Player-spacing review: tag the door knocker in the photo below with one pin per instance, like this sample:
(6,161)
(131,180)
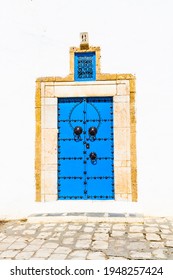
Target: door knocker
(77,133)
(93,157)
(92,133)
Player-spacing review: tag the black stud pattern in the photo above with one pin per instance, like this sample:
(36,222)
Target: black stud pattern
(102,120)
(70,158)
(60,121)
(99,177)
(70,177)
(66,139)
(101,139)
(102,158)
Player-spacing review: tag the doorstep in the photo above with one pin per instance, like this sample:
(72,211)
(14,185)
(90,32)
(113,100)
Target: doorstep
(85,217)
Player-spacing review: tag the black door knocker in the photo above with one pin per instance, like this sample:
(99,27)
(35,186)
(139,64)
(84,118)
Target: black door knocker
(92,133)
(93,157)
(77,133)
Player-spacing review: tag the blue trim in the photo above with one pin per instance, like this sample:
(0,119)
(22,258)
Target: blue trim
(85,66)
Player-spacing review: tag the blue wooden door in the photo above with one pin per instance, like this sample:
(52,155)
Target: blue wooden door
(85,148)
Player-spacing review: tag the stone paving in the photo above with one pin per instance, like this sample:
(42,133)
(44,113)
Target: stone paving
(144,238)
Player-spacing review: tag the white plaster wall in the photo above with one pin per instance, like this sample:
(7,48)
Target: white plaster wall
(135,37)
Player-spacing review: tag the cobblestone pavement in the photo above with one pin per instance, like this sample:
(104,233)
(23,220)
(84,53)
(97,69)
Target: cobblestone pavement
(118,238)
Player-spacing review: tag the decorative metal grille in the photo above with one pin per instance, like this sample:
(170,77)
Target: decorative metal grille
(85,66)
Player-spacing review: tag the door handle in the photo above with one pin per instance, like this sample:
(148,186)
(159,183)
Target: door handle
(78,130)
(92,133)
(93,157)
(77,133)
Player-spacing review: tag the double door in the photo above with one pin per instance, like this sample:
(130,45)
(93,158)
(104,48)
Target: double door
(85,148)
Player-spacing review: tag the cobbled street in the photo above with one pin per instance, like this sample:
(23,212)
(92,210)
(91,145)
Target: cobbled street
(118,238)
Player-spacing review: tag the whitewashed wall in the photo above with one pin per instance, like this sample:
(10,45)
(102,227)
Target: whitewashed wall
(135,37)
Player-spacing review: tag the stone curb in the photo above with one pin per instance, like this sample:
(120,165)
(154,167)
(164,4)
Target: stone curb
(83,219)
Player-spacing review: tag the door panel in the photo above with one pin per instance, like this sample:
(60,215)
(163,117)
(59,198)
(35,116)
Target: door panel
(101,169)
(71,167)
(70,148)
(71,189)
(98,189)
(85,148)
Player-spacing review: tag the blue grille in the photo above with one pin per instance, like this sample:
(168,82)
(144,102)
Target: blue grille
(85,66)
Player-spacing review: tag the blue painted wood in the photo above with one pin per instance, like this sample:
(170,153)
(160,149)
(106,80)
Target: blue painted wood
(85,66)
(79,177)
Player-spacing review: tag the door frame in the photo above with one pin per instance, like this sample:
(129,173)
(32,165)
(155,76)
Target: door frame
(47,92)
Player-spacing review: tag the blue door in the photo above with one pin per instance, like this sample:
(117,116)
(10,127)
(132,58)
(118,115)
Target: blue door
(85,148)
